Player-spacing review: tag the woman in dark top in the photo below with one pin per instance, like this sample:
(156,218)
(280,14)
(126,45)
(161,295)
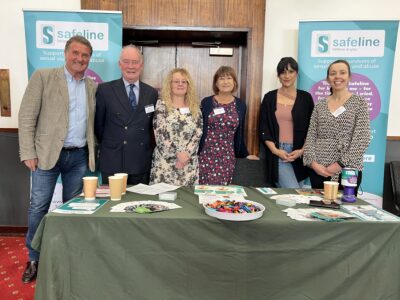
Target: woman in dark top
(284,119)
(223,129)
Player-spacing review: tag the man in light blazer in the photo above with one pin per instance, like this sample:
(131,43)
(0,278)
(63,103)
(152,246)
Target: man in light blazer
(56,134)
(124,121)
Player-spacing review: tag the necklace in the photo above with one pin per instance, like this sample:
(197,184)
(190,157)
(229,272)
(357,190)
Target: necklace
(288,95)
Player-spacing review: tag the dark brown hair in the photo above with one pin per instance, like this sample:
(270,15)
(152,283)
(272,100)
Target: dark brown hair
(79,39)
(337,62)
(223,71)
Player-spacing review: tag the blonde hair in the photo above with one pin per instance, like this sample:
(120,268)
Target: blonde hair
(190,97)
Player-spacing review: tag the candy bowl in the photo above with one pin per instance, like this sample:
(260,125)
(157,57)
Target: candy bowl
(232,210)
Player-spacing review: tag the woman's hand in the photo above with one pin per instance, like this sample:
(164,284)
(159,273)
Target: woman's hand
(179,165)
(282,154)
(182,159)
(321,170)
(334,168)
(252,157)
(295,154)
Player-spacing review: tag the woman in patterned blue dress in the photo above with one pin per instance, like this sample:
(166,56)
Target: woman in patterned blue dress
(223,129)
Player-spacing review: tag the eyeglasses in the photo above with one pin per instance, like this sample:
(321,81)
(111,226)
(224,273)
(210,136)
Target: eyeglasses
(128,62)
(179,82)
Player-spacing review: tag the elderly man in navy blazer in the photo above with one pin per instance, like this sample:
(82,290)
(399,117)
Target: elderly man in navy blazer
(123,121)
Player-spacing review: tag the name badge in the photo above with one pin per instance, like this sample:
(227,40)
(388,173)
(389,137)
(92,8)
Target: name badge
(219,110)
(184,110)
(149,108)
(339,111)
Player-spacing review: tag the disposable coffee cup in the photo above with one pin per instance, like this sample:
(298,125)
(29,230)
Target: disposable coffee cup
(124,181)
(331,190)
(115,183)
(90,187)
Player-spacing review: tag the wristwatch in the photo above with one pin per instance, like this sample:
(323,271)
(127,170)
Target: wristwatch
(340,164)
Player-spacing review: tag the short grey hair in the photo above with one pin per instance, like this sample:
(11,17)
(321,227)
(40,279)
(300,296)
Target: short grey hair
(132,47)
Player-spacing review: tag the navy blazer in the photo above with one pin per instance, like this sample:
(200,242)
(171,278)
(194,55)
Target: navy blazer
(124,136)
(239,145)
(269,131)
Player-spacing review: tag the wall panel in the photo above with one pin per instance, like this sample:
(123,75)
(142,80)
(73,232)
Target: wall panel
(248,14)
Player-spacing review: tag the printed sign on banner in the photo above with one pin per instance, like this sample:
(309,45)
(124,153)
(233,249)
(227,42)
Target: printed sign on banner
(369,47)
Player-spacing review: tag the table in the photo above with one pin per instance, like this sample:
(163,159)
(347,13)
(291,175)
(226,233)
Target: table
(185,254)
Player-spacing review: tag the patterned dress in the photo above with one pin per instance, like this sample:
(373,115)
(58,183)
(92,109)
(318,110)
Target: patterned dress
(343,138)
(217,159)
(175,132)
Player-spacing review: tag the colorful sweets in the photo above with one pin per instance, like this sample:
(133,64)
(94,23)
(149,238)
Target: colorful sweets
(235,207)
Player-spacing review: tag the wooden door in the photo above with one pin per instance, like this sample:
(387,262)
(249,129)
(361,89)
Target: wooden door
(201,66)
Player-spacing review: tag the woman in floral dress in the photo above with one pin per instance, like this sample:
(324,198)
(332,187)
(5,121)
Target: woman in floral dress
(177,128)
(223,130)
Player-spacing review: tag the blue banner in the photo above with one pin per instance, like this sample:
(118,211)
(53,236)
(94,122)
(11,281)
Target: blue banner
(369,47)
(46,33)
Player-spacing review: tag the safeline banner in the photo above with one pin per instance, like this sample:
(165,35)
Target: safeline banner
(46,33)
(369,47)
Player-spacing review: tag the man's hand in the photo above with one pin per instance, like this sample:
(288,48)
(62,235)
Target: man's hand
(31,164)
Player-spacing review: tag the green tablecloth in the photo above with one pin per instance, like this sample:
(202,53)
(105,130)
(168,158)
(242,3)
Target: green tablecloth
(185,254)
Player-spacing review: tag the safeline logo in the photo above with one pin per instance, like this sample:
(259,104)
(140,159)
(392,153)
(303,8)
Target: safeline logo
(54,34)
(348,43)
(47,35)
(323,43)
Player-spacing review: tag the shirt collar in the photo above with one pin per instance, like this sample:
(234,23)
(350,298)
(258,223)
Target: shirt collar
(127,84)
(69,76)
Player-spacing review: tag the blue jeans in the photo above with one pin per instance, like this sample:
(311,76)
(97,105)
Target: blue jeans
(286,175)
(72,166)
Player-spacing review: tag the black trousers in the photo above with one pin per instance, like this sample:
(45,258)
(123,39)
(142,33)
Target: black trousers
(317,181)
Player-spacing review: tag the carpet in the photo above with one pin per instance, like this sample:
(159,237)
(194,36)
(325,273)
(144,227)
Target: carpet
(13,258)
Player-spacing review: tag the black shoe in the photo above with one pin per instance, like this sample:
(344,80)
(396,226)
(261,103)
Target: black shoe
(30,271)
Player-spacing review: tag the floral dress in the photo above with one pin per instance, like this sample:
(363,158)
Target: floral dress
(217,159)
(175,132)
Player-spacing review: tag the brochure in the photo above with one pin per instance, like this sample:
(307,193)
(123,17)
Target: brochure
(309,192)
(219,190)
(154,189)
(266,191)
(370,213)
(80,206)
(316,214)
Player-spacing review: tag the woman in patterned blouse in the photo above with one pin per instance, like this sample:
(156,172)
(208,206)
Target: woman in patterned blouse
(339,131)
(223,130)
(177,128)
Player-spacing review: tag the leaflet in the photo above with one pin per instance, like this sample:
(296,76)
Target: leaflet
(80,206)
